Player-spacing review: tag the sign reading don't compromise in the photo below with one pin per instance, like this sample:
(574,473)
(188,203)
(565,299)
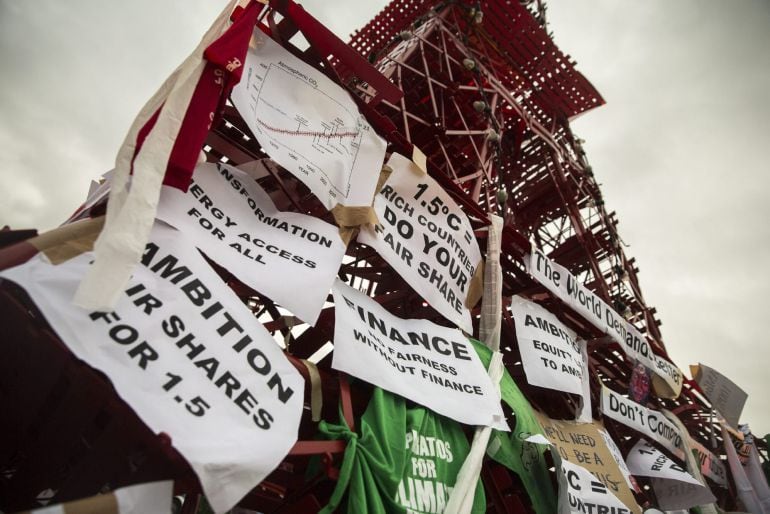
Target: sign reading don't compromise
(432,365)
(234,222)
(425,236)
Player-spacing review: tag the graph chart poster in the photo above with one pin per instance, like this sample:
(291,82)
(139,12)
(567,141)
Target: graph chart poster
(309,125)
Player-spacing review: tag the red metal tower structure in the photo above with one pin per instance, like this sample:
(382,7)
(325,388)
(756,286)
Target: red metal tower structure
(488,97)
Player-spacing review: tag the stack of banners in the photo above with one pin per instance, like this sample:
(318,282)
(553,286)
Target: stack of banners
(649,422)
(405,460)
(674,487)
(745,489)
(234,222)
(513,450)
(580,492)
(710,465)
(309,125)
(185,353)
(566,287)
(550,352)
(427,238)
(724,395)
(429,364)
(583,445)
(757,478)
(150,498)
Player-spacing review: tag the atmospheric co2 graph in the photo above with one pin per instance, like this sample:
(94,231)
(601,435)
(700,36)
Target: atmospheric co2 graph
(309,125)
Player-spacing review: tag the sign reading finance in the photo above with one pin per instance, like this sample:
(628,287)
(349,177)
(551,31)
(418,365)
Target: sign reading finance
(233,221)
(309,125)
(550,352)
(432,365)
(185,353)
(427,238)
(646,421)
(724,395)
(583,445)
(566,287)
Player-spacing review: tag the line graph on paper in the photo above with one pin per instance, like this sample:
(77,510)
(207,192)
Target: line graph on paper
(309,125)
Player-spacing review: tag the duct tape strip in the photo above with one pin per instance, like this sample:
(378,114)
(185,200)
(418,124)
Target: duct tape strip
(350,218)
(316,390)
(131,211)
(64,243)
(475,286)
(419,159)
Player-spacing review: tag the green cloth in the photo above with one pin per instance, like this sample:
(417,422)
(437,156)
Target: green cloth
(512,451)
(405,460)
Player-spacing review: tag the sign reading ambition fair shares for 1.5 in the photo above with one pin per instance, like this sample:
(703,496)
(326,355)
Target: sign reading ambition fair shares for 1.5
(432,365)
(425,236)
(566,287)
(185,353)
(309,125)
(234,222)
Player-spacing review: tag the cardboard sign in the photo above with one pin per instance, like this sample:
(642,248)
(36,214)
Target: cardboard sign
(427,238)
(308,124)
(649,422)
(710,465)
(585,493)
(432,365)
(149,498)
(185,353)
(565,286)
(724,395)
(233,221)
(583,445)
(550,352)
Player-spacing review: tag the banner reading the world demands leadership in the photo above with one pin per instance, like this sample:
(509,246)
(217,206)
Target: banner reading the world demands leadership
(432,365)
(427,238)
(185,353)
(234,222)
(565,286)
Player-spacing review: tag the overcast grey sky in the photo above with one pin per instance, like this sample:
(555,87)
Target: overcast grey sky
(678,147)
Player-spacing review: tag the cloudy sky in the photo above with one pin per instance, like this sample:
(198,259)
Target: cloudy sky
(678,147)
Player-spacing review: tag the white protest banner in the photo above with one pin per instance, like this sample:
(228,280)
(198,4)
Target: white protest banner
(583,444)
(233,221)
(586,494)
(710,465)
(724,395)
(566,287)
(432,365)
(185,353)
(308,124)
(674,487)
(647,421)
(149,498)
(618,456)
(550,352)
(427,238)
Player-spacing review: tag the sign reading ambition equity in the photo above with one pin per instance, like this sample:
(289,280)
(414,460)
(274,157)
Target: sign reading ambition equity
(565,286)
(550,352)
(427,238)
(185,353)
(233,221)
(432,365)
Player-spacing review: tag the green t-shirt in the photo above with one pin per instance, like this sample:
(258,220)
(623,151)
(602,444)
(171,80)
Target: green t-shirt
(405,459)
(512,451)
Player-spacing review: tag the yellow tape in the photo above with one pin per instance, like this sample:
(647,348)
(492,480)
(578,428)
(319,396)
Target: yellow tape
(350,218)
(476,286)
(63,243)
(419,159)
(101,504)
(316,391)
